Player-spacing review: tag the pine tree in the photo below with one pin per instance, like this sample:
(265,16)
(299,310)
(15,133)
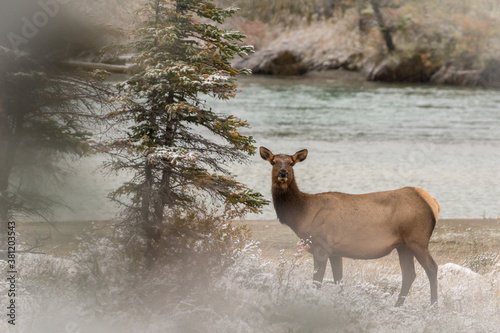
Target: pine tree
(177,148)
(46,109)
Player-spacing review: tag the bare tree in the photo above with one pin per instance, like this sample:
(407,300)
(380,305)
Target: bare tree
(386,33)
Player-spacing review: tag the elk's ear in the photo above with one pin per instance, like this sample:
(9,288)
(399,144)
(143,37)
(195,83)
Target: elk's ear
(266,154)
(299,156)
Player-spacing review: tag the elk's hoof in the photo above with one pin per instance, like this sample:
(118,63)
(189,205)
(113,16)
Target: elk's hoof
(400,302)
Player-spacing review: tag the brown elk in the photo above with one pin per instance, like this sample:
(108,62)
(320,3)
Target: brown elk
(363,226)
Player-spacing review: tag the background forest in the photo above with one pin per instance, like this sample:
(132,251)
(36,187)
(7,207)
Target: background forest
(444,42)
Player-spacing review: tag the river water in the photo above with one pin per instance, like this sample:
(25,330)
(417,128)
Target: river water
(361,137)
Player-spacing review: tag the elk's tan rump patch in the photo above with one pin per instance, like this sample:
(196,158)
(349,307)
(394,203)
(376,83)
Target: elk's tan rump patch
(433,203)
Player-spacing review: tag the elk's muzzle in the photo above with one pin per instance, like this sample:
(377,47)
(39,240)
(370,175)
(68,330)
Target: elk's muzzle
(282,175)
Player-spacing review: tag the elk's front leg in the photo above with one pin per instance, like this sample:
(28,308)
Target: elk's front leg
(337,270)
(319,270)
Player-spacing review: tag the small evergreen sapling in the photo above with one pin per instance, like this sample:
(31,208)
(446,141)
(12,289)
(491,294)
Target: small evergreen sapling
(177,148)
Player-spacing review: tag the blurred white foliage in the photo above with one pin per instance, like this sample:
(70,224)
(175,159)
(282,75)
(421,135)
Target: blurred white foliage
(94,290)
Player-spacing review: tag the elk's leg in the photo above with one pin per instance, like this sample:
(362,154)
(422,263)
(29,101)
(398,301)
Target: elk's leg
(431,268)
(319,271)
(408,272)
(337,271)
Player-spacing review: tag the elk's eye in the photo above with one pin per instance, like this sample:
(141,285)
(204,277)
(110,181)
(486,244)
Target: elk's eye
(273,163)
(292,164)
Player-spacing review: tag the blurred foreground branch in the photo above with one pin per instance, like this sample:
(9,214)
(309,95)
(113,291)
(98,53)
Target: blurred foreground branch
(47,108)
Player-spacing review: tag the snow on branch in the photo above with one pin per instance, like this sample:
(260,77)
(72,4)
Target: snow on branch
(175,156)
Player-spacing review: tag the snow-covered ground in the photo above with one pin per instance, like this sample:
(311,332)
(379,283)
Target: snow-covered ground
(93,291)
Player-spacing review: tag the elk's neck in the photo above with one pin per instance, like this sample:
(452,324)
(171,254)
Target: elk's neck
(289,204)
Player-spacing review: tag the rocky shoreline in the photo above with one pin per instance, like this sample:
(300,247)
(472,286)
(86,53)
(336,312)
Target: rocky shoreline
(400,68)
(286,59)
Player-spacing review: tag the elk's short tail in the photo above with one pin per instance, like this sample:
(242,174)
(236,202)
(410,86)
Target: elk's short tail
(433,203)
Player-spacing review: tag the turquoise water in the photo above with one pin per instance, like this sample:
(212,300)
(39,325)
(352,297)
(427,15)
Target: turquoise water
(361,137)
(365,137)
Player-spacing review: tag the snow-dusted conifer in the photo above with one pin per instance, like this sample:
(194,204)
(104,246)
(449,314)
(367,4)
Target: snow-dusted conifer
(184,56)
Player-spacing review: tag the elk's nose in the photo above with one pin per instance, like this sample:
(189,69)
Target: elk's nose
(283,173)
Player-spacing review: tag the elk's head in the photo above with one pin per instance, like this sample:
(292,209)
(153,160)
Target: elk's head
(282,173)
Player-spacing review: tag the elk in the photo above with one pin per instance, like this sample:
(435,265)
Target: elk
(357,226)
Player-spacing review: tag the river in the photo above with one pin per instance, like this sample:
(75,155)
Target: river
(361,136)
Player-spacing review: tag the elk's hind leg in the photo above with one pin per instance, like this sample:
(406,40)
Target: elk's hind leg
(337,269)
(431,268)
(408,272)
(319,270)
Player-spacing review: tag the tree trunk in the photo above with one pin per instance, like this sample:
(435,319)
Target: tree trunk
(164,194)
(383,28)
(359,7)
(163,199)
(8,146)
(149,225)
(4,175)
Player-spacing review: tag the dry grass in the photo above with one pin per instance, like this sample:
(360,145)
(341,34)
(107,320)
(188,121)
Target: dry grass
(59,238)
(454,240)
(458,241)
(270,292)
(471,243)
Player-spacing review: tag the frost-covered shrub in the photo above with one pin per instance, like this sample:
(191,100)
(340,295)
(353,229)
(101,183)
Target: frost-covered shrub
(103,287)
(95,291)
(200,247)
(248,270)
(104,273)
(482,262)
(287,267)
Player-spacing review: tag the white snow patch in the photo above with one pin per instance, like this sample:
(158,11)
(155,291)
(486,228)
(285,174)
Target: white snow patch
(457,270)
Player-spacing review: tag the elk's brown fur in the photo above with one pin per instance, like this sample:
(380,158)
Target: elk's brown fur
(364,226)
